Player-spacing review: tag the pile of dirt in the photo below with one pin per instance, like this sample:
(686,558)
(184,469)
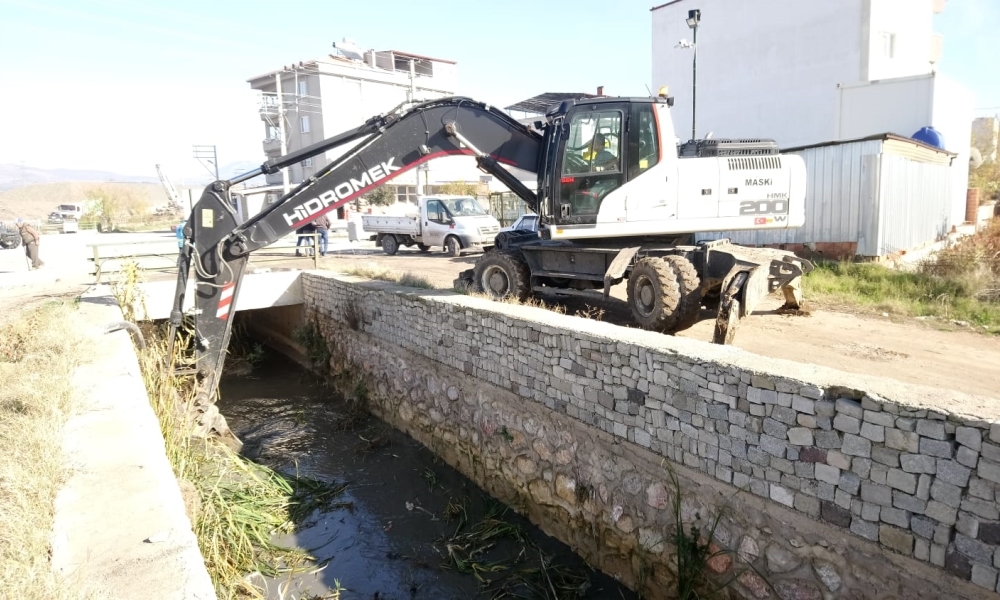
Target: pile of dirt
(36,201)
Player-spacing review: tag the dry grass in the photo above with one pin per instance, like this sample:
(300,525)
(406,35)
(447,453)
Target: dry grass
(39,349)
(374,270)
(529,301)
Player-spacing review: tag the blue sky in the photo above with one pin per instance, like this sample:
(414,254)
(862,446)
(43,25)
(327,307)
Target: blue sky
(121,85)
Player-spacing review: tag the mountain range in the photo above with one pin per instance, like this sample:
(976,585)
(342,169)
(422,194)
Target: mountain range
(14,176)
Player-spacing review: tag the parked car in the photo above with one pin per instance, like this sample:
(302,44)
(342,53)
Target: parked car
(55,218)
(10,237)
(456,223)
(528,222)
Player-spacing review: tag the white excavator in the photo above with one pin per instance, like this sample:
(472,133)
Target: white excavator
(619,201)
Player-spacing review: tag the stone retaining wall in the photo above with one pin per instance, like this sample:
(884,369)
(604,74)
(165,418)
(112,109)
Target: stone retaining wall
(854,486)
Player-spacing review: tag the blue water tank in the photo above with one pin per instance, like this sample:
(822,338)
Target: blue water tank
(929,136)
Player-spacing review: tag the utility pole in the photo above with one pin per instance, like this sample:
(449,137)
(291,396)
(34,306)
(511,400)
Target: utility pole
(693,20)
(281,130)
(208,154)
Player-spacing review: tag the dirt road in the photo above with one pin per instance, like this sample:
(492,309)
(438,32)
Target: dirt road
(907,350)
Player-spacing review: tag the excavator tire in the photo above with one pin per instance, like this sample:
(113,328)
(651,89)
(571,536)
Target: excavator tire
(654,294)
(390,244)
(690,289)
(502,274)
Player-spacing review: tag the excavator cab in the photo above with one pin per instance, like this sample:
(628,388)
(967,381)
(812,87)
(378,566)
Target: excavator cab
(601,145)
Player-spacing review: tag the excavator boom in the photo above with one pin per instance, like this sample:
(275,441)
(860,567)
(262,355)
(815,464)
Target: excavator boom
(217,245)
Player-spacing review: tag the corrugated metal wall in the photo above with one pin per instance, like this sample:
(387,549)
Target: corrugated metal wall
(914,203)
(847,200)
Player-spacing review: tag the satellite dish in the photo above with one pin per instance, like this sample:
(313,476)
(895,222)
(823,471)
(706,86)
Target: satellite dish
(710,134)
(975,158)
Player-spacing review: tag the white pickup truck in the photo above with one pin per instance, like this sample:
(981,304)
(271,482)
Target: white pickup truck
(456,223)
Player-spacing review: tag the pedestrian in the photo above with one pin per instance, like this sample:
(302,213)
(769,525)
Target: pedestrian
(305,238)
(30,238)
(323,229)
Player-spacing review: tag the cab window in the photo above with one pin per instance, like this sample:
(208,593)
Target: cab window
(436,212)
(643,140)
(594,143)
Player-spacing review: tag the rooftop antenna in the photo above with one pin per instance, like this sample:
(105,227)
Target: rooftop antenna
(649,91)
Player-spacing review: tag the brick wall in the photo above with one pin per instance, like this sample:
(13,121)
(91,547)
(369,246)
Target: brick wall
(853,486)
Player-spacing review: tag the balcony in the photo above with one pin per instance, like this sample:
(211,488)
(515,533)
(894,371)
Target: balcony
(268,107)
(272,146)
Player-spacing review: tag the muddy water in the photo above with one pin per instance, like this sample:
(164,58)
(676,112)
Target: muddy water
(387,537)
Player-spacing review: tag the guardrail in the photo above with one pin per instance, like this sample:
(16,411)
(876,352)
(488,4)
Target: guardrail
(163,258)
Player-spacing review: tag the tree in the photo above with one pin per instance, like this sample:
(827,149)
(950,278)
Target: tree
(987,176)
(111,207)
(460,188)
(383,195)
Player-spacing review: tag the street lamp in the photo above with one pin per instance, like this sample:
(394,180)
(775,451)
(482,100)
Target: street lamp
(694,17)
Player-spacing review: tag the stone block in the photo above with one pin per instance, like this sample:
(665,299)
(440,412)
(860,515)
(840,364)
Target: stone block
(896,539)
(921,549)
(879,474)
(825,408)
(879,418)
(800,436)
(908,503)
(974,549)
(989,533)
(780,559)
(885,456)
(895,516)
(836,459)
(952,472)
(989,470)
(849,482)
(827,474)
(931,429)
(782,495)
(937,555)
(901,480)
(827,574)
(773,445)
(876,494)
(986,509)
(957,564)
(870,431)
(807,504)
(967,524)
(937,448)
(981,488)
(942,513)
(835,515)
(828,439)
(856,446)
(984,577)
(775,429)
(861,466)
(906,424)
(994,432)
(806,470)
(969,437)
(924,486)
(918,463)
(803,405)
(967,457)
(851,408)
(846,423)
(865,529)
(902,440)
(870,512)
(813,455)
(946,493)
(923,526)
(815,393)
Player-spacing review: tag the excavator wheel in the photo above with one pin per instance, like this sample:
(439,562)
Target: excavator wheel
(390,244)
(654,294)
(690,289)
(502,274)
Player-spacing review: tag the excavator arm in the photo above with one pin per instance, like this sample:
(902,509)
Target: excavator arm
(217,244)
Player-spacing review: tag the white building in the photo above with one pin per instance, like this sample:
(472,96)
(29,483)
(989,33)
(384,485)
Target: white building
(326,96)
(813,72)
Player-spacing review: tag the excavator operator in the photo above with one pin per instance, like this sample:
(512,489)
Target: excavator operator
(598,155)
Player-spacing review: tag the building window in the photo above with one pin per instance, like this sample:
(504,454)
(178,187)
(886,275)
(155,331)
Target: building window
(406,193)
(304,124)
(307,162)
(888,41)
(273,132)
(420,66)
(303,88)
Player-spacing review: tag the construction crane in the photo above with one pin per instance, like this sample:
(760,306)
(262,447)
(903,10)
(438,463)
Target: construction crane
(172,195)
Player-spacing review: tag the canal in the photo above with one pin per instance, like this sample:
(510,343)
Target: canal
(406,525)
